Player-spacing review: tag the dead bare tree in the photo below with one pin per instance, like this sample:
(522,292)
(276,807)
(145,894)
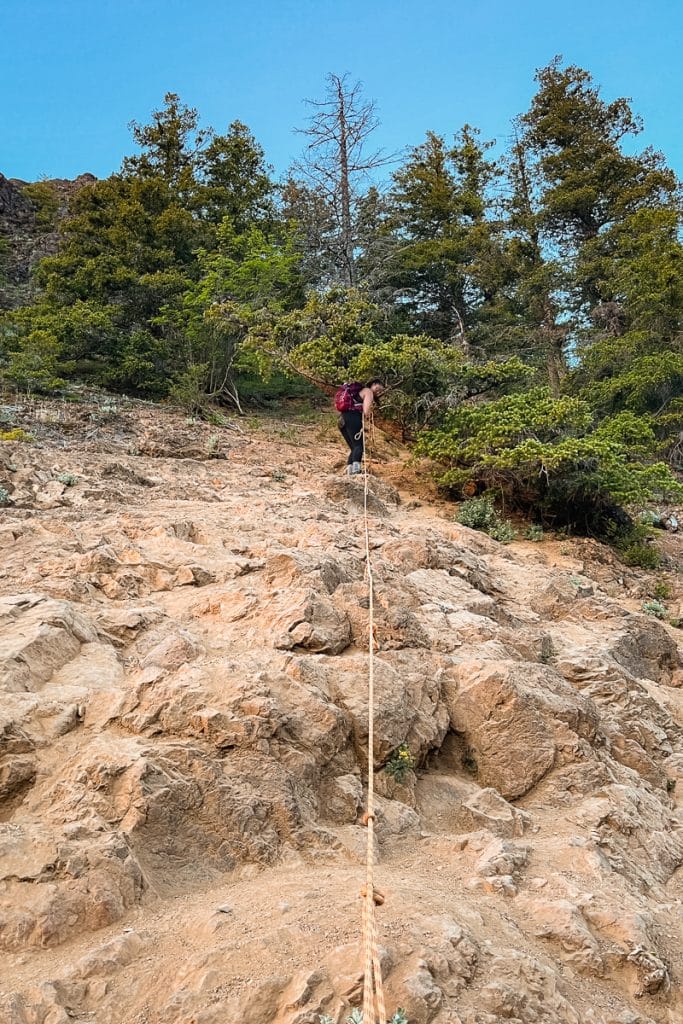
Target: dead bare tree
(335,158)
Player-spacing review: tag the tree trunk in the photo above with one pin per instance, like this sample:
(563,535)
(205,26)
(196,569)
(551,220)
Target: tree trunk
(345,192)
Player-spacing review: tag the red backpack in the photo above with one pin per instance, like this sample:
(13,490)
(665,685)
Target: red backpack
(348,397)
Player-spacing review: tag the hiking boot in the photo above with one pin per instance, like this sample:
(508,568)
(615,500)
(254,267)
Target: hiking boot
(355,468)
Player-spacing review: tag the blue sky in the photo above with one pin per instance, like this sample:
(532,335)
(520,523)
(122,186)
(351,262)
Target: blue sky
(74,73)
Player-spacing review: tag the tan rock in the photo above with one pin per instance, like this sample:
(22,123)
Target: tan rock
(173,651)
(308,620)
(38,636)
(511,715)
(341,799)
(562,922)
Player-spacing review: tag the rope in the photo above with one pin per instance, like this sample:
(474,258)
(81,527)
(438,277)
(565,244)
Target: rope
(373,992)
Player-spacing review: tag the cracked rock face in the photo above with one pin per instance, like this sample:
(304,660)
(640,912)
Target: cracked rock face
(184,738)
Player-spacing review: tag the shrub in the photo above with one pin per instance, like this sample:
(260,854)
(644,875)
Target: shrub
(534,533)
(480,514)
(655,608)
(503,532)
(4,496)
(35,362)
(641,556)
(356,1017)
(550,455)
(68,479)
(16,434)
(635,548)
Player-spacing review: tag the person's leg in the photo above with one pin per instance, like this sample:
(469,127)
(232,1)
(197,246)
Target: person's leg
(355,427)
(348,437)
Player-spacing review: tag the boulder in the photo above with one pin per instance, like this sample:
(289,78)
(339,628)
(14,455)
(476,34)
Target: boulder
(515,716)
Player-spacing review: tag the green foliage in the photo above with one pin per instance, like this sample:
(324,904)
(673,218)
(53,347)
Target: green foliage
(68,479)
(654,608)
(478,514)
(4,496)
(43,195)
(34,362)
(549,454)
(16,434)
(502,531)
(635,547)
(400,763)
(534,533)
(481,514)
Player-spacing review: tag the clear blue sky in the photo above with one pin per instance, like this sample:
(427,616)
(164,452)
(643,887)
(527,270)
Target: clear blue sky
(74,73)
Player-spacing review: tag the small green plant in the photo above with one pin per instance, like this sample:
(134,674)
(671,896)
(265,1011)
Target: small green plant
(480,514)
(4,496)
(217,419)
(670,785)
(641,556)
(635,547)
(503,532)
(288,434)
(655,608)
(534,533)
(661,591)
(278,475)
(16,434)
(68,479)
(676,622)
(212,444)
(400,763)
(105,411)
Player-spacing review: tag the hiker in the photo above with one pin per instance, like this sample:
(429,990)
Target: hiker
(355,401)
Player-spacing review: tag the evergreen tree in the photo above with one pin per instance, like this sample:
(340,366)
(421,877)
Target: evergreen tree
(448,265)
(235,181)
(614,218)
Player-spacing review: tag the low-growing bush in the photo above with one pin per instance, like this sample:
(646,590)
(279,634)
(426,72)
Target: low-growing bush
(550,456)
(68,479)
(655,608)
(478,514)
(481,514)
(16,434)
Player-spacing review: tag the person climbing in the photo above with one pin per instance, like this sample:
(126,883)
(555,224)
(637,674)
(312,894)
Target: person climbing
(355,401)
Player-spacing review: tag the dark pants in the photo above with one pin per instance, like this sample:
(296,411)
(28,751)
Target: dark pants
(351,424)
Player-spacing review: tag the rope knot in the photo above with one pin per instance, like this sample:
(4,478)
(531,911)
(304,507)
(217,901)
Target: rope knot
(378,897)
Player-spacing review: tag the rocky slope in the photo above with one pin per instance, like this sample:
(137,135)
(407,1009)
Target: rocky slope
(183,631)
(24,241)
